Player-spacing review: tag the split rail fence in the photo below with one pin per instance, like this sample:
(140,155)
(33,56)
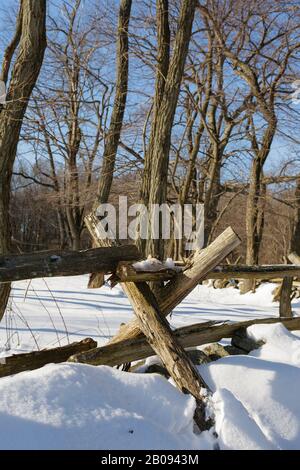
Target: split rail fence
(149,333)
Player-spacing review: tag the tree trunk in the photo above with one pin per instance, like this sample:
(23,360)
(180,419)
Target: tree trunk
(111,142)
(32,44)
(64,263)
(162,67)
(254,217)
(295,241)
(294,257)
(154,186)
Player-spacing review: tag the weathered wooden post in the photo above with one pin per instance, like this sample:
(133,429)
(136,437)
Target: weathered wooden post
(162,340)
(285,306)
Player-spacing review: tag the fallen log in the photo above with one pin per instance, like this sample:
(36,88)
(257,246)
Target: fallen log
(33,360)
(135,349)
(64,263)
(126,273)
(202,262)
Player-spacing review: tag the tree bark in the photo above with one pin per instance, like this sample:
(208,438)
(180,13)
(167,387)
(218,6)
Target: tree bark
(285,307)
(112,139)
(162,67)
(154,186)
(126,273)
(262,272)
(31,38)
(295,241)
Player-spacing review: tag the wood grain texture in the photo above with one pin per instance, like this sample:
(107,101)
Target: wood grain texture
(202,262)
(63,263)
(34,360)
(135,349)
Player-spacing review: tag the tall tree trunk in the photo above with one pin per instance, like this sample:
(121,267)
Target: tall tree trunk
(162,67)
(111,142)
(160,138)
(31,39)
(285,308)
(254,215)
(212,195)
(255,211)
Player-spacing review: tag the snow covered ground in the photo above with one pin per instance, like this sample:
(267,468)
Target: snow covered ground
(75,406)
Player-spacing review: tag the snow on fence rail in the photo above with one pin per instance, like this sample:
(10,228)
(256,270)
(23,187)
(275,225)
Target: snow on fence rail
(117,260)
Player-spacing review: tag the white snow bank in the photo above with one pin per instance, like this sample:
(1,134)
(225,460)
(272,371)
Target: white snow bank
(262,297)
(75,406)
(281,345)
(236,429)
(257,404)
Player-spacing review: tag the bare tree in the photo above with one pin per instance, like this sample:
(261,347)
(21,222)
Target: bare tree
(112,138)
(155,177)
(260,53)
(29,43)
(66,121)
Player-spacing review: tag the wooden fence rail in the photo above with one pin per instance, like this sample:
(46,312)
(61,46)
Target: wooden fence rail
(107,260)
(130,350)
(64,263)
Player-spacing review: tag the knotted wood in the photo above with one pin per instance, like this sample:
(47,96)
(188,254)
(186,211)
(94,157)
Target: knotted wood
(64,263)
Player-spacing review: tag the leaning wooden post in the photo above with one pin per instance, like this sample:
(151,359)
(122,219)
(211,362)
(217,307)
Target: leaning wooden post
(162,340)
(183,283)
(98,236)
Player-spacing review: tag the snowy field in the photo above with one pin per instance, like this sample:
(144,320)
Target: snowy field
(74,406)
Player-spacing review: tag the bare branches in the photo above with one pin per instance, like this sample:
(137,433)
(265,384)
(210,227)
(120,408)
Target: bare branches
(11,48)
